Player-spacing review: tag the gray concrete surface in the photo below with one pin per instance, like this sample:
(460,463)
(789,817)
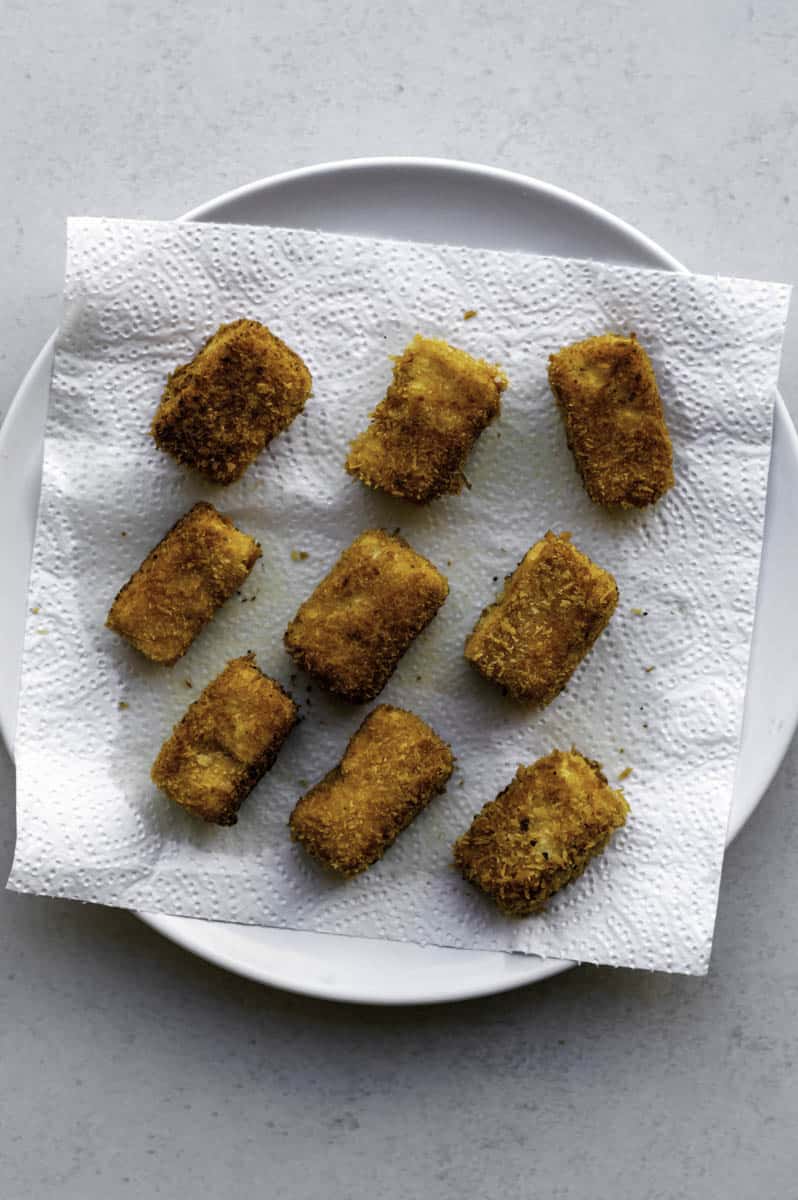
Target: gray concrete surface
(127,1068)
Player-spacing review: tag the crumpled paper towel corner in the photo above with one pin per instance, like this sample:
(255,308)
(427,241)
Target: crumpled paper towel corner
(661,693)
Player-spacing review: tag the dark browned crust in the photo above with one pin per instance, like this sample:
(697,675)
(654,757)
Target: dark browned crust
(226,741)
(540,833)
(607,393)
(192,571)
(420,435)
(241,389)
(393,766)
(352,630)
(550,612)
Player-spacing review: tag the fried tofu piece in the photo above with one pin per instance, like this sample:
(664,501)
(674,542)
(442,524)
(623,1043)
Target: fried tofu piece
(198,565)
(393,766)
(614,420)
(541,832)
(420,435)
(550,612)
(238,392)
(227,740)
(352,631)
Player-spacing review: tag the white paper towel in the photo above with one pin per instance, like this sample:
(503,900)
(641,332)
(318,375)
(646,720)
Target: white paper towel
(140,298)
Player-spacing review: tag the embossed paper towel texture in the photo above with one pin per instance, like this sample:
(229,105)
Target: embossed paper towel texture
(140,298)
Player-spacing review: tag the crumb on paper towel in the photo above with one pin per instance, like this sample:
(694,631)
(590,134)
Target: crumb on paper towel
(648,670)
(469,314)
(625,773)
(36,610)
(298,556)
(122,705)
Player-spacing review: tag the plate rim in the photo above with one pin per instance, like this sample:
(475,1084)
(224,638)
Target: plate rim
(202,212)
(180,929)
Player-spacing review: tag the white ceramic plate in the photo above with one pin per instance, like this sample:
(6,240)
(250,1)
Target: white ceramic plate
(428,200)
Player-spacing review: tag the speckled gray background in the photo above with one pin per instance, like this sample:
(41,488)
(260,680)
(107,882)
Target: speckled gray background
(131,1069)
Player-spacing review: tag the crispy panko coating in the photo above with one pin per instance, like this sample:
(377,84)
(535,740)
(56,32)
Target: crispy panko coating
(228,739)
(238,392)
(614,421)
(393,766)
(352,631)
(549,614)
(541,832)
(198,565)
(420,435)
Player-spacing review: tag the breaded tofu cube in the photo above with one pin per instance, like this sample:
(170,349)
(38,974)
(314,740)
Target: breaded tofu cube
(393,766)
(614,421)
(238,392)
(352,631)
(228,739)
(549,614)
(541,832)
(198,565)
(420,435)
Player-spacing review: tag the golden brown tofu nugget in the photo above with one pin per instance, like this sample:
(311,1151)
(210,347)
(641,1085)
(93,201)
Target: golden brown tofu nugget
(198,565)
(420,435)
(238,392)
(541,832)
(352,631)
(228,739)
(614,420)
(552,609)
(393,766)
